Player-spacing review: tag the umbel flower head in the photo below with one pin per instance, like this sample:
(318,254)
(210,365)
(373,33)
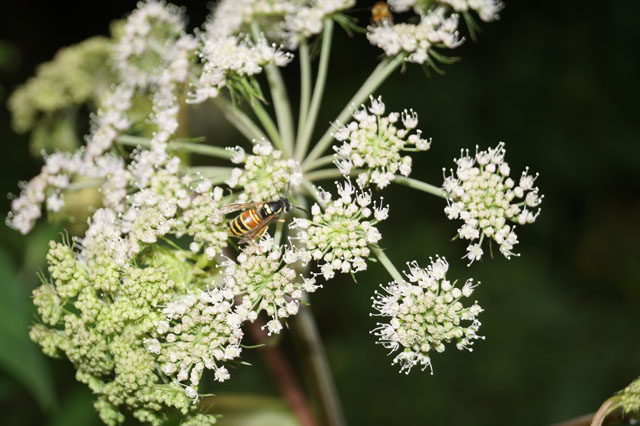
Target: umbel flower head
(264,277)
(375,142)
(150,34)
(338,235)
(435,29)
(201,331)
(487,9)
(104,317)
(266,174)
(230,58)
(424,313)
(283,21)
(490,203)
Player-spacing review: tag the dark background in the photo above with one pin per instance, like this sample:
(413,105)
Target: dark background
(558,82)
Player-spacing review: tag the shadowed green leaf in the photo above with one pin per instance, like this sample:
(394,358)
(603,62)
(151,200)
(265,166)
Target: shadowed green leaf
(77,409)
(19,357)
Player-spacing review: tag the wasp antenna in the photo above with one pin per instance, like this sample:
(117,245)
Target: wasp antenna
(299,208)
(286,194)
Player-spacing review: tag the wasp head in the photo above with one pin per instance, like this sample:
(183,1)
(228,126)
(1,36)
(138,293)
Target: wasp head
(286,204)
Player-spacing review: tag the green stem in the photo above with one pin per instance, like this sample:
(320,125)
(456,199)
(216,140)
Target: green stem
(323,174)
(280,99)
(329,174)
(305,91)
(379,75)
(317,366)
(216,175)
(322,161)
(131,140)
(382,257)
(312,192)
(282,106)
(267,123)
(239,119)
(196,148)
(422,186)
(83,184)
(277,237)
(318,91)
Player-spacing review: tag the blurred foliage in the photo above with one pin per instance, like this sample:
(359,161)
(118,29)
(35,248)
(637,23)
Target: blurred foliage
(50,104)
(250,410)
(19,356)
(79,206)
(558,84)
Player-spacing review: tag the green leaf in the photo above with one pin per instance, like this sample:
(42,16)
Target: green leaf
(20,357)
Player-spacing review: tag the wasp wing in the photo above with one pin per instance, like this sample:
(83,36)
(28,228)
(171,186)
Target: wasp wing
(258,230)
(234,207)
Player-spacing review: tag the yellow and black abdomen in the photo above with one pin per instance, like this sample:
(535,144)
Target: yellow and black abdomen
(245,222)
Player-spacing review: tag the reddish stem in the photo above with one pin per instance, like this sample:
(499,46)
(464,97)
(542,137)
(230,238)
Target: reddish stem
(282,373)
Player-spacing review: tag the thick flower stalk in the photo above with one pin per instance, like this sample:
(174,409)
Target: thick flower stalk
(490,203)
(424,313)
(375,142)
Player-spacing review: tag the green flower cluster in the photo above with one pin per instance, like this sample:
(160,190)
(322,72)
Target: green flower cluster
(99,316)
(48,104)
(630,399)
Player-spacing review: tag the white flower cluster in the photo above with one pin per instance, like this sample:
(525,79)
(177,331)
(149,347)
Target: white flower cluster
(482,194)
(373,141)
(55,177)
(110,120)
(61,169)
(101,316)
(435,29)
(284,21)
(339,235)
(424,314)
(200,332)
(487,9)
(227,57)
(232,17)
(266,174)
(163,203)
(264,276)
(149,37)
(307,19)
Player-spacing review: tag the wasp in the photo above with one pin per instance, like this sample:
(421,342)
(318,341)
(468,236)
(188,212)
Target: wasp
(381,14)
(254,221)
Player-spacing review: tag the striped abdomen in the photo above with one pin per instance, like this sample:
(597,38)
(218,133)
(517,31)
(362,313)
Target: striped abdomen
(245,222)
